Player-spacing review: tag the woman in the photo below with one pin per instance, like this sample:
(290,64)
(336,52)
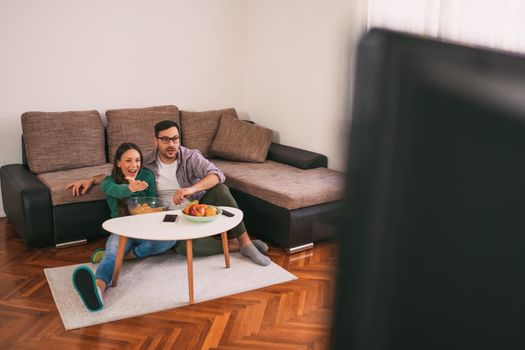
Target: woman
(128,179)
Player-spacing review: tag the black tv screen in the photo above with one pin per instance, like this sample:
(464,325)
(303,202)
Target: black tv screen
(432,245)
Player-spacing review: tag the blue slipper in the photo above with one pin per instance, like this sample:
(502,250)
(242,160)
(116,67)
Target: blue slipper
(97,255)
(84,282)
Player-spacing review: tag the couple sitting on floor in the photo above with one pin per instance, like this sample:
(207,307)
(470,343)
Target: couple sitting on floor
(174,173)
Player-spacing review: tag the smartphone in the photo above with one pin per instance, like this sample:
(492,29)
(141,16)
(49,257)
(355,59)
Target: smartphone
(227,213)
(170,218)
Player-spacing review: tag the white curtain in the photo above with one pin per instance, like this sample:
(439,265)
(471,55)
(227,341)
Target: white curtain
(498,24)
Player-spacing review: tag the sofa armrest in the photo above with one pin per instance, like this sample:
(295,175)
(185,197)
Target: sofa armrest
(296,157)
(24,154)
(27,203)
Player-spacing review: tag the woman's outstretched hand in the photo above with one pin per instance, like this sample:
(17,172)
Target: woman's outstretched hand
(136,185)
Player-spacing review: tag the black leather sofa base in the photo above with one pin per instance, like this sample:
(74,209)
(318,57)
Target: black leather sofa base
(289,229)
(27,204)
(79,221)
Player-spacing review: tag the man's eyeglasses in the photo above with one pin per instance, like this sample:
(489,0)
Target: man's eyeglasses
(167,140)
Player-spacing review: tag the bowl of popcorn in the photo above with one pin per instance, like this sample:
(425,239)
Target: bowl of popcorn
(146,205)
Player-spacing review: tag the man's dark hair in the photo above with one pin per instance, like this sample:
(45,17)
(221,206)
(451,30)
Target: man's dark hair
(165,124)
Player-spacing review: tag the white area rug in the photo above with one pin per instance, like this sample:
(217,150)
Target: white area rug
(160,283)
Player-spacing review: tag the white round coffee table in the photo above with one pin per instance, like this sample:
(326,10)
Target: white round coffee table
(151,226)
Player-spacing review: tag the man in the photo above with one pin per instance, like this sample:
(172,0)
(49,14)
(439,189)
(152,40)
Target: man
(182,175)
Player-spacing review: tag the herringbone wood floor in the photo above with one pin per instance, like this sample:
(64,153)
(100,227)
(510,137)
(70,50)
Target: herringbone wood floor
(293,315)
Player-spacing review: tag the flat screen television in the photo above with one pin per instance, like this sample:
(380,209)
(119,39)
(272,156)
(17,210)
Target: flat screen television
(432,243)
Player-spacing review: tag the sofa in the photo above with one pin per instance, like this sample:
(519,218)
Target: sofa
(288,195)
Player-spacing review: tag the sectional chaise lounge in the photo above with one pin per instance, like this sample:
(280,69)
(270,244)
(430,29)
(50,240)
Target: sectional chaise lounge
(288,195)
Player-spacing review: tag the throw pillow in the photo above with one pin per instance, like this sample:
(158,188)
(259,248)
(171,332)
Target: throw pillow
(199,128)
(242,141)
(63,140)
(136,125)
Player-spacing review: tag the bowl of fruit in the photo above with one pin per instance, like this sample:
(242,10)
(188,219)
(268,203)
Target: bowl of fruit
(201,212)
(146,205)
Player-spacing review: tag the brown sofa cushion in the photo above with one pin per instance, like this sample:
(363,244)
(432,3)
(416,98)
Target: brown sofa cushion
(56,182)
(242,141)
(136,125)
(63,140)
(283,185)
(199,128)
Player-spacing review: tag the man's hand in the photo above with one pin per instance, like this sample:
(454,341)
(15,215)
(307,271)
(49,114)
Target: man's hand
(136,185)
(182,193)
(203,184)
(80,187)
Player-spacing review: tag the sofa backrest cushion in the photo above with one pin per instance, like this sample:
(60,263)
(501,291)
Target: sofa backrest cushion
(199,128)
(242,141)
(57,141)
(136,125)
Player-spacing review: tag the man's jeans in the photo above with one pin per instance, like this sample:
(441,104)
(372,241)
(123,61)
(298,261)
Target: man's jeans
(140,248)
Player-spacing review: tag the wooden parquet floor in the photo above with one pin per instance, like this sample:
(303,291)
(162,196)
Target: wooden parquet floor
(292,315)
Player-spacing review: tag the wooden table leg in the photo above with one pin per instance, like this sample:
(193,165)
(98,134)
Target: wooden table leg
(189,259)
(225,249)
(122,240)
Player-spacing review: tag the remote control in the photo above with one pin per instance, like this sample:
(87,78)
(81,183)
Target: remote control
(227,213)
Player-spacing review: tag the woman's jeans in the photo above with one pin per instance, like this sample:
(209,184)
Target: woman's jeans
(140,248)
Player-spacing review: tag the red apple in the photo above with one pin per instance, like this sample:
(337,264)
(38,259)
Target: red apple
(200,210)
(192,210)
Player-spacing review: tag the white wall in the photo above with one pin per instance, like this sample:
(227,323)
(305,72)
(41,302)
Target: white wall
(283,64)
(73,55)
(298,71)
(61,55)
